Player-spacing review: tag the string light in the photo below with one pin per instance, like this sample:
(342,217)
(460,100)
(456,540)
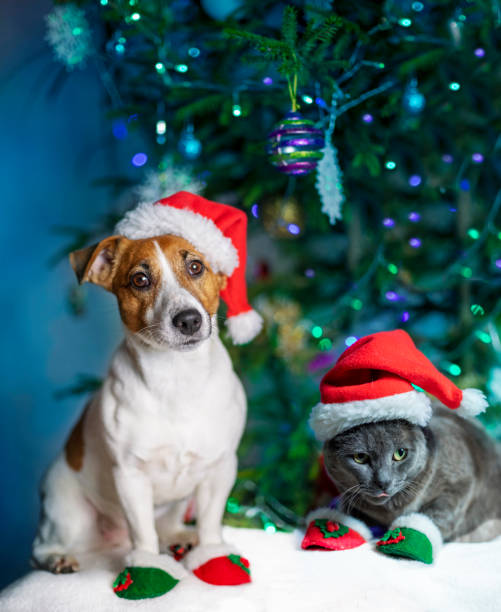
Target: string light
(447,159)
(317,331)
(268,81)
(139,159)
(454,86)
(307,99)
(350,340)
(135,16)
(454,369)
(483,336)
(467,272)
(479,52)
(325,344)
(392,296)
(255,210)
(405,22)
(417,6)
(390,165)
(356,304)
(477,158)
(309,273)
(415,243)
(415,180)
(160,67)
(237,110)
(181,68)
(194,52)
(388,222)
(161,127)
(367,118)
(392,268)
(405,316)
(473,233)
(477,310)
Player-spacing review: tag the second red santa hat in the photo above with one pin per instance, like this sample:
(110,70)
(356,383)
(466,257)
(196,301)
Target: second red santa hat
(375,380)
(219,232)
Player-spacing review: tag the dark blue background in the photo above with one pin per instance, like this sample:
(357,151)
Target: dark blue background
(51,148)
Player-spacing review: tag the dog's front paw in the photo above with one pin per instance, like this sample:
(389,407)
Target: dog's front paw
(184,539)
(62,564)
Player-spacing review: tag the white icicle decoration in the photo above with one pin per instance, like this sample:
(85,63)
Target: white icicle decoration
(329,175)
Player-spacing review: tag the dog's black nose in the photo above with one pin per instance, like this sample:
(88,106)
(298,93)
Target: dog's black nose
(188,321)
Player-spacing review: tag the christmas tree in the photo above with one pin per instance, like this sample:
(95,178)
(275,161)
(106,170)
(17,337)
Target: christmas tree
(362,140)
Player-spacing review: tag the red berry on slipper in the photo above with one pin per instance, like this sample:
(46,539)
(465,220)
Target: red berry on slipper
(224,571)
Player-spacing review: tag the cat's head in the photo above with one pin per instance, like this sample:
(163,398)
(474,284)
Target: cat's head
(383,458)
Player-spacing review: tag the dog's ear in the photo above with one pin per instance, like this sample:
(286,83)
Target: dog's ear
(223,280)
(97,263)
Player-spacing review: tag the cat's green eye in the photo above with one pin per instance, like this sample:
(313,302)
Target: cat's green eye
(360,458)
(400,454)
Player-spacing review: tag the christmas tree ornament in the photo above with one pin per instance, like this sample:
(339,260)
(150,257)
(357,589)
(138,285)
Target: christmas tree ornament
(329,176)
(282,217)
(143,583)
(413,100)
(220,9)
(168,179)
(68,34)
(189,146)
(294,144)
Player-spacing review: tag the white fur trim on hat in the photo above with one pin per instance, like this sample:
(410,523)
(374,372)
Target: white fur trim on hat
(244,326)
(329,420)
(474,402)
(148,220)
(332,514)
(424,524)
(201,554)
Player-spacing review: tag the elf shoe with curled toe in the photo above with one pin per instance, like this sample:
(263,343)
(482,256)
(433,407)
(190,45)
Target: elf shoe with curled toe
(143,583)
(406,542)
(218,564)
(330,529)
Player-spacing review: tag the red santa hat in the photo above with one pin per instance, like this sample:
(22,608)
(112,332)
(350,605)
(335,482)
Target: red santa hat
(375,379)
(219,232)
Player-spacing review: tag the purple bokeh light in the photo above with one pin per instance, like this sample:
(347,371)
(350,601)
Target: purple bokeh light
(255,210)
(392,296)
(293,229)
(139,159)
(268,81)
(309,272)
(414,217)
(479,52)
(415,243)
(498,263)
(367,118)
(447,159)
(388,222)
(405,316)
(478,158)
(415,180)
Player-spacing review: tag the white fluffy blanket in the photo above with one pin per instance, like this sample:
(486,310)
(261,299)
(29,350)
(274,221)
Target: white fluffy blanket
(466,577)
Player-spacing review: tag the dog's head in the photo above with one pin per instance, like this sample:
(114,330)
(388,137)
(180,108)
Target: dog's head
(167,293)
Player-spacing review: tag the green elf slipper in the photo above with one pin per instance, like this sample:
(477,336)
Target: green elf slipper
(143,583)
(412,536)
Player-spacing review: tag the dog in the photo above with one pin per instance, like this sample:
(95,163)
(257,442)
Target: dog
(165,426)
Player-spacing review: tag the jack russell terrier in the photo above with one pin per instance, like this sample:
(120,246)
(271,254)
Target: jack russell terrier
(165,425)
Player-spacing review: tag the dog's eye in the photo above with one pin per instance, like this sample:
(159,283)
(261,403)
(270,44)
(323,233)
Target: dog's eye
(195,267)
(140,280)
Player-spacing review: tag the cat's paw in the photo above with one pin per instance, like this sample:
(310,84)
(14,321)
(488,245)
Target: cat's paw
(407,543)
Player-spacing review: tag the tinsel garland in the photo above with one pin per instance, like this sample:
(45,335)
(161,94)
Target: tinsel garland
(68,33)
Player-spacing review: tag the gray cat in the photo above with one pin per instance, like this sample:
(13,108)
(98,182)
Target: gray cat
(450,471)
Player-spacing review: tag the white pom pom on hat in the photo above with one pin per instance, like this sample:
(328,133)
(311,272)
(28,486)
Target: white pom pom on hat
(219,232)
(375,379)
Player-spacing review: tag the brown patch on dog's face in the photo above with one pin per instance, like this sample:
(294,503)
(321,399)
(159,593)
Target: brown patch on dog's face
(134,272)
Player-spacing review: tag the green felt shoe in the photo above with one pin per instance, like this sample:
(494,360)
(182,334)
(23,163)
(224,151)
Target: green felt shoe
(143,583)
(408,543)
